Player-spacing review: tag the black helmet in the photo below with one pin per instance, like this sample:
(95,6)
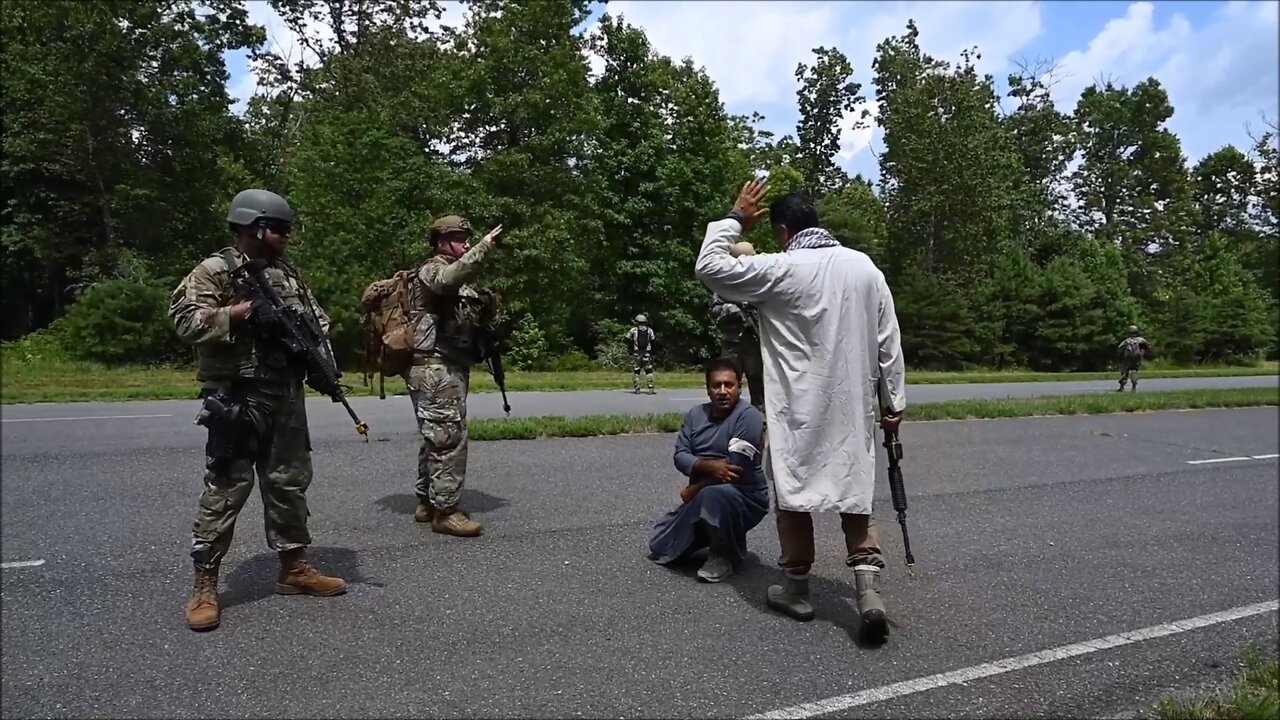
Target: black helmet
(250,206)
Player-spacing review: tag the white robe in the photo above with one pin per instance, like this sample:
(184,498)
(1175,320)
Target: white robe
(830,343)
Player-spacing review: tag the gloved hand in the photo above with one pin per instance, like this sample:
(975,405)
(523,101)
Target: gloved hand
(262,312)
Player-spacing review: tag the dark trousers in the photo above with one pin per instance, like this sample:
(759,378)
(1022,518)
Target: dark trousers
(747,354)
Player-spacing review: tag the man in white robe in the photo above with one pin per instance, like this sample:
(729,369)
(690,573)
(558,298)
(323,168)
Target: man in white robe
(830,343)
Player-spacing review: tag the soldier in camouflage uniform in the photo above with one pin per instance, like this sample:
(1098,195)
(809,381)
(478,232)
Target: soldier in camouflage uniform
(740,340)
(250,374)
(1132,349)
(640,340)
(448,314)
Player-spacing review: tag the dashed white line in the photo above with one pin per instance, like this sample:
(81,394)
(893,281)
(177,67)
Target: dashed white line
(1241,458)
(85,417)
(21,564)
(1020,662)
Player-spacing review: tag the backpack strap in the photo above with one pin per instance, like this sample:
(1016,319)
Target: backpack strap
(229,257)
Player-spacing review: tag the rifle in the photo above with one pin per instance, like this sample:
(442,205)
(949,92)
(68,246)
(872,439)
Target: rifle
(896,488)
(301,334)
(493,358)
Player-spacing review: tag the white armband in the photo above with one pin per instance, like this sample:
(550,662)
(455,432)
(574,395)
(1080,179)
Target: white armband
(740,446)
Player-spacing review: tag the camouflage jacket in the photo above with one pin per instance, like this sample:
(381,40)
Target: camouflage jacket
(737,321)
(200,310)
(633,340)
(1134,348)
(449,313)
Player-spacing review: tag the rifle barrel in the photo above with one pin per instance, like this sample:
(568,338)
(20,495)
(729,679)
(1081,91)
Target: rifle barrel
(361,427)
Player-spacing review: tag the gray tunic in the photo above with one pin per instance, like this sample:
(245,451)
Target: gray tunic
(731,508)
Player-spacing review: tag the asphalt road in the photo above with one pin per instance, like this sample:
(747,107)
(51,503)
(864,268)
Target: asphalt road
(163,423)
(1028,534)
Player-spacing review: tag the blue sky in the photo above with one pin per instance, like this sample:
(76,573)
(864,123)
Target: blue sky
(1219,61)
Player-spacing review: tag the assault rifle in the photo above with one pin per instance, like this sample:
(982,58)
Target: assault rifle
(896,488)
(492,349)
(301,334)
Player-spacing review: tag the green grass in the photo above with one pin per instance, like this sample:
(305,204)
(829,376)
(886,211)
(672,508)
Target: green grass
(1254,695)
(602,425)
(30,382)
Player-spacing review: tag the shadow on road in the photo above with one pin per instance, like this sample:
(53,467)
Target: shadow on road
(255,578)
(474,502)
(832,601)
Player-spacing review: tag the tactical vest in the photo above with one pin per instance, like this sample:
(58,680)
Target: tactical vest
(450,326)
(245,354)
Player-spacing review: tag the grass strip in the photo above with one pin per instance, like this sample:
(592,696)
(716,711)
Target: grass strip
(604,425)
(1253,695)
(22,382)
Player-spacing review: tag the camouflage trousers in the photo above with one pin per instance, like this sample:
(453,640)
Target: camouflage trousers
(439,395)
(282,463)
(641,361)
(1129,373)
(746,352)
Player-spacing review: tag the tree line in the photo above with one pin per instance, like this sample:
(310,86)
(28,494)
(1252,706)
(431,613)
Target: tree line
(1013,234)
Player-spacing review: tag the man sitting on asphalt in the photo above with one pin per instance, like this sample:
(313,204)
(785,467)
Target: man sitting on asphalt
(718,449)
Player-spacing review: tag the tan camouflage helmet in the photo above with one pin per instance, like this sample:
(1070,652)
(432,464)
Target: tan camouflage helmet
(448,224)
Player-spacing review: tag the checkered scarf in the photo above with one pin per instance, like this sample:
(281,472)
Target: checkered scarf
(812,238)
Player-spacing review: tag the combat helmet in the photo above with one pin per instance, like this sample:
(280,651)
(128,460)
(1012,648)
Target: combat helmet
(1133,329)
(448,224)
(641,319)
(250,206)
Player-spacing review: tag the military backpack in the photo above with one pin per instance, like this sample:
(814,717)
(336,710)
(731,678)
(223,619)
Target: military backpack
(388,327)
(1131,348)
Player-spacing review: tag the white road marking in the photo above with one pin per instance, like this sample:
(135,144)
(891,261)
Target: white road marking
(21,564)
(1020,662)
(1233,459)
(86,417)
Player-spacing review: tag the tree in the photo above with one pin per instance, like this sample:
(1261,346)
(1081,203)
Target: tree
(1222,186)
(826,96)
(1264,260)
(663,160)
(117,131)
(1132,183)
(1211,309)
(855,216)
(950,176)
(1045,141)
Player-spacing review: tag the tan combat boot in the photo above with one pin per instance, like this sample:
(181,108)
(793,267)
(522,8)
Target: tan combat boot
(298,577)
(425,513)
(452,521)
(203,612)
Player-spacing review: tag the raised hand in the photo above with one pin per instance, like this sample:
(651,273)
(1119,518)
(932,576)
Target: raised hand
(747,206)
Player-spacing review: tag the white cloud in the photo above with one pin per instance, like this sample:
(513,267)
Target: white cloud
(1218,75)
(1124,47)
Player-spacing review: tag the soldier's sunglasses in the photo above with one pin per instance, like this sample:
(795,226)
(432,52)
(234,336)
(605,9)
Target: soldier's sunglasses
(279,228)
